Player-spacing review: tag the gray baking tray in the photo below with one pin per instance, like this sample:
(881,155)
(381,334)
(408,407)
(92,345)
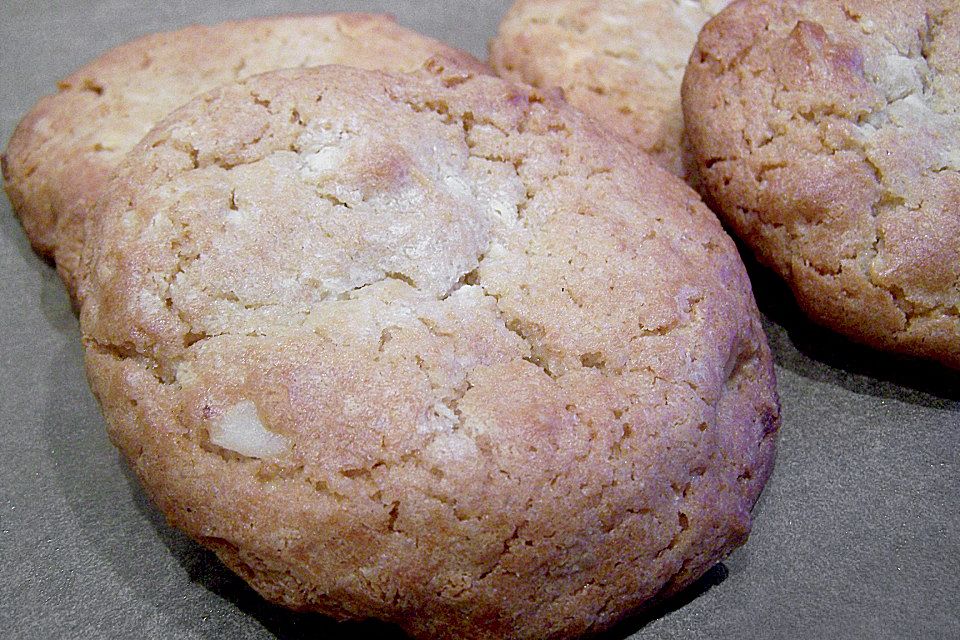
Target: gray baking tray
(856,534)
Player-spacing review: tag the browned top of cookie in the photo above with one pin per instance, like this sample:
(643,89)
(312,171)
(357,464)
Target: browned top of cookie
(621,61)
(829,135)
(428,348)
(64,150)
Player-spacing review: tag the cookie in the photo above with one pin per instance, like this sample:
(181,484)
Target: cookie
(828,136)
(619,61)
(63,151)
(428,348)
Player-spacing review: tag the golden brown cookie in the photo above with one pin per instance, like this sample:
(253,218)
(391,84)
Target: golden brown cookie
(828,134)
(620,61)
(427,348)
(64,150)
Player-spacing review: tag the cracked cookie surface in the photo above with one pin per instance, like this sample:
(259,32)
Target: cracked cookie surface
(64,150)
(620,61)
(430,349)
(827,135)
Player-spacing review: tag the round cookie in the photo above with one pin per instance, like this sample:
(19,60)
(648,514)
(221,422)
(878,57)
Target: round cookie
(620,61)
(428,348)
(66,147)
(828,135)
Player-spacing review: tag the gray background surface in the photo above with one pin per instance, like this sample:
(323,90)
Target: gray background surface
(856,534)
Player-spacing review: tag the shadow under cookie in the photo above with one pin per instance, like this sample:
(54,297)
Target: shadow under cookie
(817,353)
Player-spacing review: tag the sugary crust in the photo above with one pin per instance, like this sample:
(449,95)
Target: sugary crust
(620,61)
(827,134)
(519,367)
(65,148)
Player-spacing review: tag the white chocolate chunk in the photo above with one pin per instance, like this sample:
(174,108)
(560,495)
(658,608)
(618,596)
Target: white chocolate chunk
(240,430)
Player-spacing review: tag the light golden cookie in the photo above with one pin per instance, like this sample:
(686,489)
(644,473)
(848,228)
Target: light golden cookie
(620,61)
(828,135)
(63,151)
(430,349)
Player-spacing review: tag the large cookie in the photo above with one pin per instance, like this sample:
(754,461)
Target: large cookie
(828,134)
(63,152)
(620,61)
(427,348)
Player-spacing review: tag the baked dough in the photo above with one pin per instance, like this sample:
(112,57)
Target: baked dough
(65,148)
(828,136)
(433,349)
(620,61)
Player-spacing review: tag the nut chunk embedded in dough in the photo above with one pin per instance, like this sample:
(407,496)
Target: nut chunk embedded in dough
(240,430)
